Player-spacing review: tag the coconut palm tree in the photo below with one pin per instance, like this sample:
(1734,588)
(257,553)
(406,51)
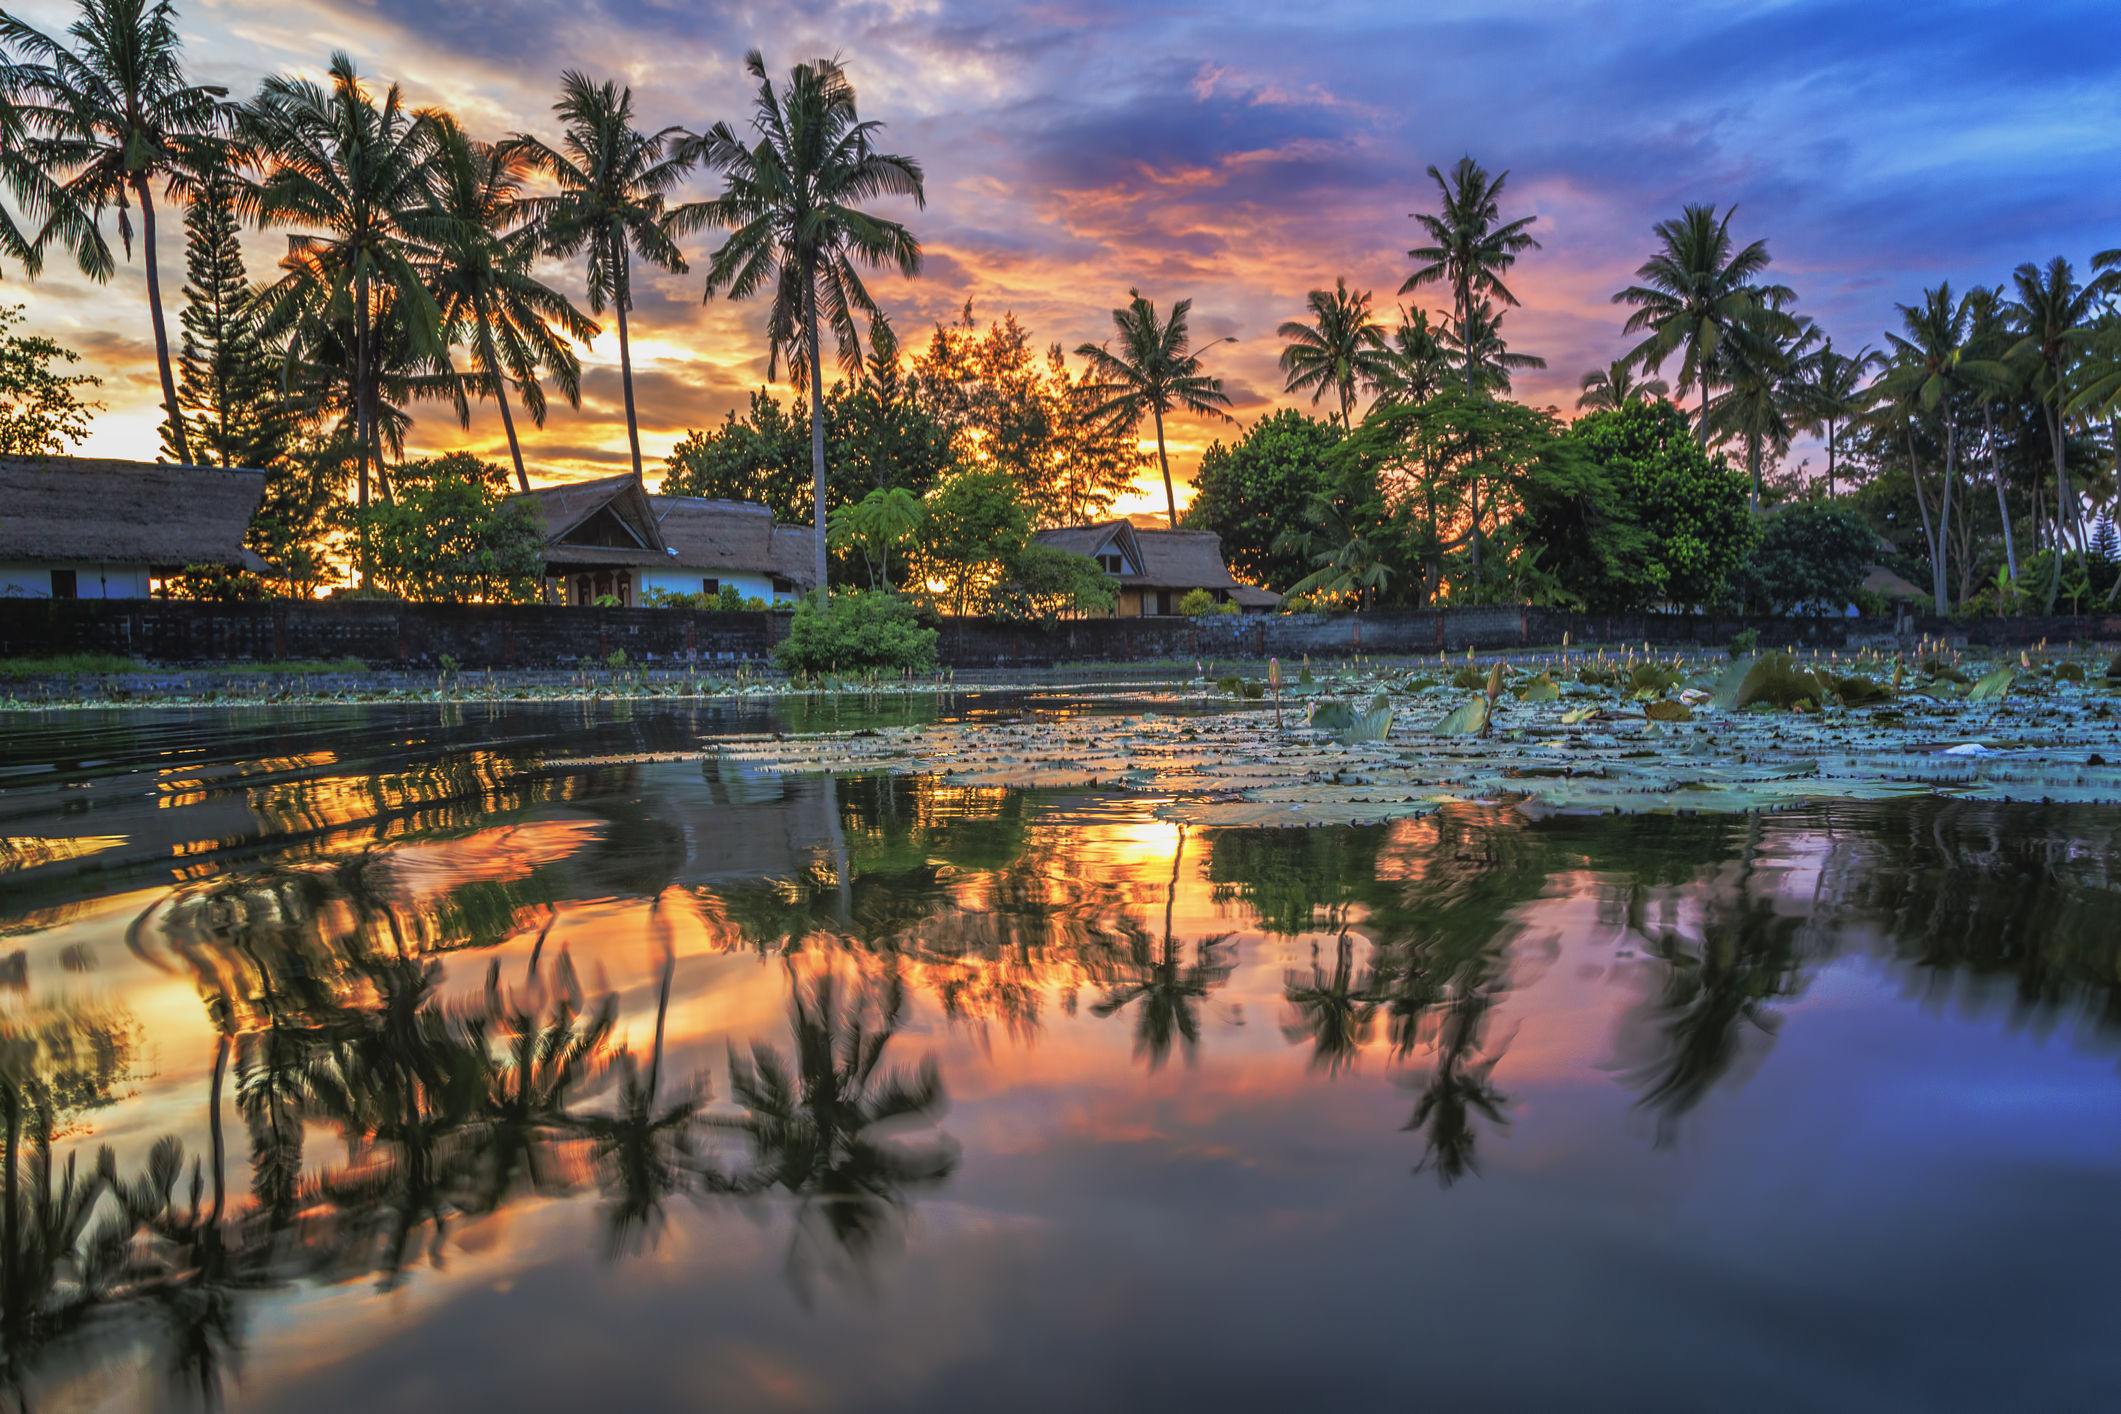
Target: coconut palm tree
(1341,347)
(1695,290)
(1413,365)
(1155,372)
(613,179)
(1468,250)
(33,174)
(1479,345)
(1762,396)
(120,117)
(2054,316)
(1615,386)
(1989,337)
(791,203)
(481,277)
(354,173)
(1833,395)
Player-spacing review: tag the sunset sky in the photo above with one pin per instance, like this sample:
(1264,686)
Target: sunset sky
(1242,154)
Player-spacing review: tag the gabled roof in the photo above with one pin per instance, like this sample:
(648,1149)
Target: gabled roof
(734,535)
(1089,539)
(612,508)
(1168,559)
(97,510)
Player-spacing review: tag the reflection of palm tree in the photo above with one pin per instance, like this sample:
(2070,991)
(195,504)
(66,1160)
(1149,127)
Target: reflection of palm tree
(1156,976)
(1333,1013)
(820,1127)
(544,1059)
(1455,1089)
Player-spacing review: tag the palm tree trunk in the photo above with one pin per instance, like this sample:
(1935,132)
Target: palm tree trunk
(1995,474)
(625,297)
(213,1127)
(1701,432)
(500,395)
(1752,466)
(1347,405)
(154,310)
(1944,511)
(361,438)
(817,428)
(1830,458)
(1170,496)
(1929,535)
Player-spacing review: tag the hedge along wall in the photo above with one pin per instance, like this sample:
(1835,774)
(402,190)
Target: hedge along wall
(536,635)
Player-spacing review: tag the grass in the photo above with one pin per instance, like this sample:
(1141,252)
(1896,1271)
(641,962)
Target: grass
(300,667)
(67,665)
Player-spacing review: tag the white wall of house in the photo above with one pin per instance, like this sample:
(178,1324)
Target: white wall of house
(91,581)
(749,583)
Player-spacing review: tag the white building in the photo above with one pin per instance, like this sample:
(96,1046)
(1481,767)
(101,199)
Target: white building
(610,538)
(93,528)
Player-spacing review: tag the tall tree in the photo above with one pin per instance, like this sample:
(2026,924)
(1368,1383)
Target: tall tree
(123,117)
(1762,392)
(791,201)
(1695,291)
(1834,395)
(481,276)
(1340,348)
(228,379)
(354,172)
(613,180)
(1155,372)
(1470,246)
(1989,338)
(1479,345)
(2055,319)
(1413,365)
(1616,385)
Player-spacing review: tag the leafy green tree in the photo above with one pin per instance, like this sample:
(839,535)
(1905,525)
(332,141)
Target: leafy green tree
(1811,559)
(1692,506)
(1470,248)
(480,272)
(1048,584)
(1616,385)
(613,180)
(120,116)
(1155,372)
(976,526)
(1252,490)
(1342,347)
(882,521)
(880,432)
(1579,527)
(789,202)
(1695,292)
(763,458)
(449,535)
(228,380)
(42,412)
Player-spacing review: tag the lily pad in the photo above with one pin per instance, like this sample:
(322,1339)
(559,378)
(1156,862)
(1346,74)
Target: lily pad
(1993,687)
(1540,689)
(1373,725)
(1469,719)
(1666,710)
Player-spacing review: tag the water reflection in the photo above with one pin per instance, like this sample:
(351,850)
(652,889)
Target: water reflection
(456,995)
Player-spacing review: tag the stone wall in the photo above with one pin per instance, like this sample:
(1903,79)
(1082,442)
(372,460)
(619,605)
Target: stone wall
(531,636)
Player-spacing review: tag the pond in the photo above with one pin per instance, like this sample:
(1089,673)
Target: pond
(521,1056)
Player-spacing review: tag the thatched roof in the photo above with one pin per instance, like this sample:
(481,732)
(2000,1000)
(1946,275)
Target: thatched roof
(1082,539)
(1246,597)
(1168,559)
(795,554)
(99,511)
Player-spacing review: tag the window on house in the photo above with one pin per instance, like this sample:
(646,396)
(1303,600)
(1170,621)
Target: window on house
(64,585)
(710,586)
(1113,564)
(783,586)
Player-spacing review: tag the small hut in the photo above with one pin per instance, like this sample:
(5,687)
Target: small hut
(97,528)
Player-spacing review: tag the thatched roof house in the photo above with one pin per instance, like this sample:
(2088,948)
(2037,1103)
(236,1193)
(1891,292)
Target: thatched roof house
(610,538)
(97,528)
(1157,568)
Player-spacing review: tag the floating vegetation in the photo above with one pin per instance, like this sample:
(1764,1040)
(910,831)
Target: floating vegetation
(1776,731)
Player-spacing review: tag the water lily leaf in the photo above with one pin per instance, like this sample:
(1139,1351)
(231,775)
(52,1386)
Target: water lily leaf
(1332,715)
(1665,710)
(1992,687)
(1469,719)
(1373,725)
(1540,689)
(1771,679)
(1580,714)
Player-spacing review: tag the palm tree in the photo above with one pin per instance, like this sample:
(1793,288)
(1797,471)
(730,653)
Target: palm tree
(122,117)
(1762,394)
(1412,366)
(1480,345)
(2054,314)
(1467,249)
(612,180)
(481,277)
(1834,395)
(356,174)
(1928,373)
(1154,372)
(1988,339)
(791,204)
(31,172)
(1615,386)
(1341,347)
(1694,292)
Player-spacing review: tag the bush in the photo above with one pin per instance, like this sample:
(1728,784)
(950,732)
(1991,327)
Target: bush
(1810,560)
(1200,602)
(1745,642)
(857,632)
(1046,585)
(730,599)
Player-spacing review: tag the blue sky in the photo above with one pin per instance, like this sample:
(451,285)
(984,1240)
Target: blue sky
(1240,155)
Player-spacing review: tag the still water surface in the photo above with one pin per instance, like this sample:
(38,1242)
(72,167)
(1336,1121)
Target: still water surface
(437,1075)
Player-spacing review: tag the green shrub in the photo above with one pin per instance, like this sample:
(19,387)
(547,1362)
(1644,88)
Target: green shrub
(730,599)
(1745,642)
(1196,603)
(857,632)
